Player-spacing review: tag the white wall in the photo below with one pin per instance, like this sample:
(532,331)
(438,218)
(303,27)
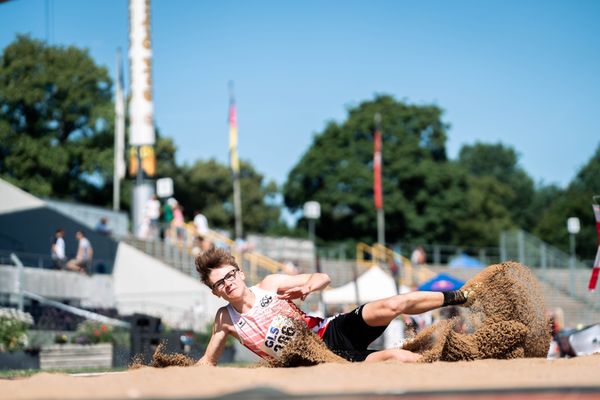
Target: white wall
(145,285)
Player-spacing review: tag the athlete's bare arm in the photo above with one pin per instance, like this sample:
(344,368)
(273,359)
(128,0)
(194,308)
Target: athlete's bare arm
(222,327)
(291,287)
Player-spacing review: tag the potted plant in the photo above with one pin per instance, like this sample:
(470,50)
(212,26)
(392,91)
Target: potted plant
(14,340)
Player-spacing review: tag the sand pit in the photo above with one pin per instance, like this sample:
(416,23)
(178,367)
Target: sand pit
(324,379)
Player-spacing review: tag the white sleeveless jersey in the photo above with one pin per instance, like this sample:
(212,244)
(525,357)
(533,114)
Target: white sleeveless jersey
(266,328)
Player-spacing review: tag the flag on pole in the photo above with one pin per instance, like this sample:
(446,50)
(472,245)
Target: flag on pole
(235,166)
(596,270)
(120,121)
(377,167)
(233,156)
(119,150)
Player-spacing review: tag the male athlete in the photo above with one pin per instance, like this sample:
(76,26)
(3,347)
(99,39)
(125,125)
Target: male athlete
(258,316)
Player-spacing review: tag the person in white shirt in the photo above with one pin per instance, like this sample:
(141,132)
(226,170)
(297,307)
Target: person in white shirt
(201,223)
(152,213)
(58,249)
(202,230)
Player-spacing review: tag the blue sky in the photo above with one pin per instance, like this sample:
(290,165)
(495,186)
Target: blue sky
(524,73)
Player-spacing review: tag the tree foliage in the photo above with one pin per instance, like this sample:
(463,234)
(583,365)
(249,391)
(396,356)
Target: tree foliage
(422,190)
(485,213)
(501,162)
(575,201)
(55,121)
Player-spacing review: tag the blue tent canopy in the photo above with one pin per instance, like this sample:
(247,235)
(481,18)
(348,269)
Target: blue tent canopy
(441,283)
(465,260)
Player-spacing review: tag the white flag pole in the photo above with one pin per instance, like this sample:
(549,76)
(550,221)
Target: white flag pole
(119,163)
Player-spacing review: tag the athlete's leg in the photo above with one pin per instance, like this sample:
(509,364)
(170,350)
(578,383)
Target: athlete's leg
(393,355)
(382,312)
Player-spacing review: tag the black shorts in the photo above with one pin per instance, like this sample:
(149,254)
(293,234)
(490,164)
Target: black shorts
(349,336)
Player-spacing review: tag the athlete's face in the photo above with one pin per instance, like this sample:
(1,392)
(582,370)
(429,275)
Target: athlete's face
(226,281)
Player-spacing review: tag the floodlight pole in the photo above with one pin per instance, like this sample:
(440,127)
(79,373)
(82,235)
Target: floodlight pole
(312,212)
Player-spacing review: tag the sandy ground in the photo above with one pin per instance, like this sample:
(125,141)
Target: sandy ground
(324,379)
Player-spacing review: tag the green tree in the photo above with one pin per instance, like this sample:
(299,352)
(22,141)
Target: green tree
(165,151)
(485,215)
(55,121)
(575,201)
(501,162)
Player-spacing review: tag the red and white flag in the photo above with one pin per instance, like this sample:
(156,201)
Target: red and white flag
(596,269)
(378,197)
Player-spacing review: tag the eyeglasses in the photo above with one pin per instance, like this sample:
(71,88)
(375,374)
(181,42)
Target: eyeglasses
(229,277)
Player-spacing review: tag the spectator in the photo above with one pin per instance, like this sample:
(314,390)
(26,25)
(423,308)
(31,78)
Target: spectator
(418,256)
(152,212)
(59,257)
(178,223)
(202,230)
(167,217)
(201,223)
(83,260)
(102,226)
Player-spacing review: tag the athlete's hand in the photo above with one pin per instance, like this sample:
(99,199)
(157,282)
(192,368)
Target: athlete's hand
(204,361)
(298,292)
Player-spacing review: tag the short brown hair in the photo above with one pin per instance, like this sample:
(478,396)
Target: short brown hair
(213,259)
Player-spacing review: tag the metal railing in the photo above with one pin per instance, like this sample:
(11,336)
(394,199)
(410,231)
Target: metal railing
(21,293)
(436,254)
(367,255)
(529,250)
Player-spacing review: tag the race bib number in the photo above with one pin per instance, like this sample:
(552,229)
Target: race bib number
(280,333)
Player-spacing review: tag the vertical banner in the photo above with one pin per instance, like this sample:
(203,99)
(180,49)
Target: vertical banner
(235,165)
(141,112)
(133,161)
(377,188)
(233,156)
(378,197)
(596,269)
(141,107)
(142,162)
